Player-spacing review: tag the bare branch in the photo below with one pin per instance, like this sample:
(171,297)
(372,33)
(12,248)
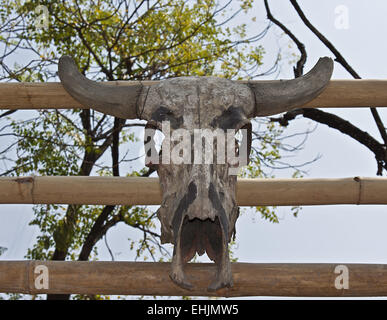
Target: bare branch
(299,69)
(340,59)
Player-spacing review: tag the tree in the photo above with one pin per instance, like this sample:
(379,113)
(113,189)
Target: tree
(112,40)
(379,149)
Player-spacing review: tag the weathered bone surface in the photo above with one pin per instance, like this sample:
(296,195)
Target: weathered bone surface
(198,211)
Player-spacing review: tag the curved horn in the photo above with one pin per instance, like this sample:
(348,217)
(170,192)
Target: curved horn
(274,97)
(113,100)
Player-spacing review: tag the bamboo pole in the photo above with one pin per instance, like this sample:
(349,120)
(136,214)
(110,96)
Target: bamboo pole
(148,278)
(51,95)
(146,191)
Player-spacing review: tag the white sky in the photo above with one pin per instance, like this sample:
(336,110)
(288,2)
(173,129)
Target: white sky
(341,234)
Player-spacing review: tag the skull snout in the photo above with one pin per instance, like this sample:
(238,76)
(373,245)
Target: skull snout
(204,226)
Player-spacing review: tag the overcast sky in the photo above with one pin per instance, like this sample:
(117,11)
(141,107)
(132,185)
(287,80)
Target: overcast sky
(338,234)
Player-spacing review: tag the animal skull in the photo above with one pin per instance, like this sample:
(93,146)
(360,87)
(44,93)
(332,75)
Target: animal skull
(198,210)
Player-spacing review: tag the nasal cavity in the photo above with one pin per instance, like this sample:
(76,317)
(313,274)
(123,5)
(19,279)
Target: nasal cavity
(200,236)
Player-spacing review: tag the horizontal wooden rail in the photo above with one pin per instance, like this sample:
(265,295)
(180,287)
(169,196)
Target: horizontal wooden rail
(51,95)
(148,278)
(146,191)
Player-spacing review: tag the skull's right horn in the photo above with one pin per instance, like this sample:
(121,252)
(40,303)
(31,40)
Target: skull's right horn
(272,97)
(113,100)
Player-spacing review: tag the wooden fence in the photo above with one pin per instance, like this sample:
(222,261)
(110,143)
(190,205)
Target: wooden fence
(137,278)
(51,95)
(146,191)
(150,278)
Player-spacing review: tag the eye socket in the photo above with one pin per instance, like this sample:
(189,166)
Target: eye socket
(165,114)
(162,113)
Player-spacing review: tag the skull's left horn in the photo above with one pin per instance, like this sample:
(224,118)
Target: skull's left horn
(272,97)
(113,100)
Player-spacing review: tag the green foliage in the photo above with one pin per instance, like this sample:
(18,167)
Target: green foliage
(166,38)
(47,145)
